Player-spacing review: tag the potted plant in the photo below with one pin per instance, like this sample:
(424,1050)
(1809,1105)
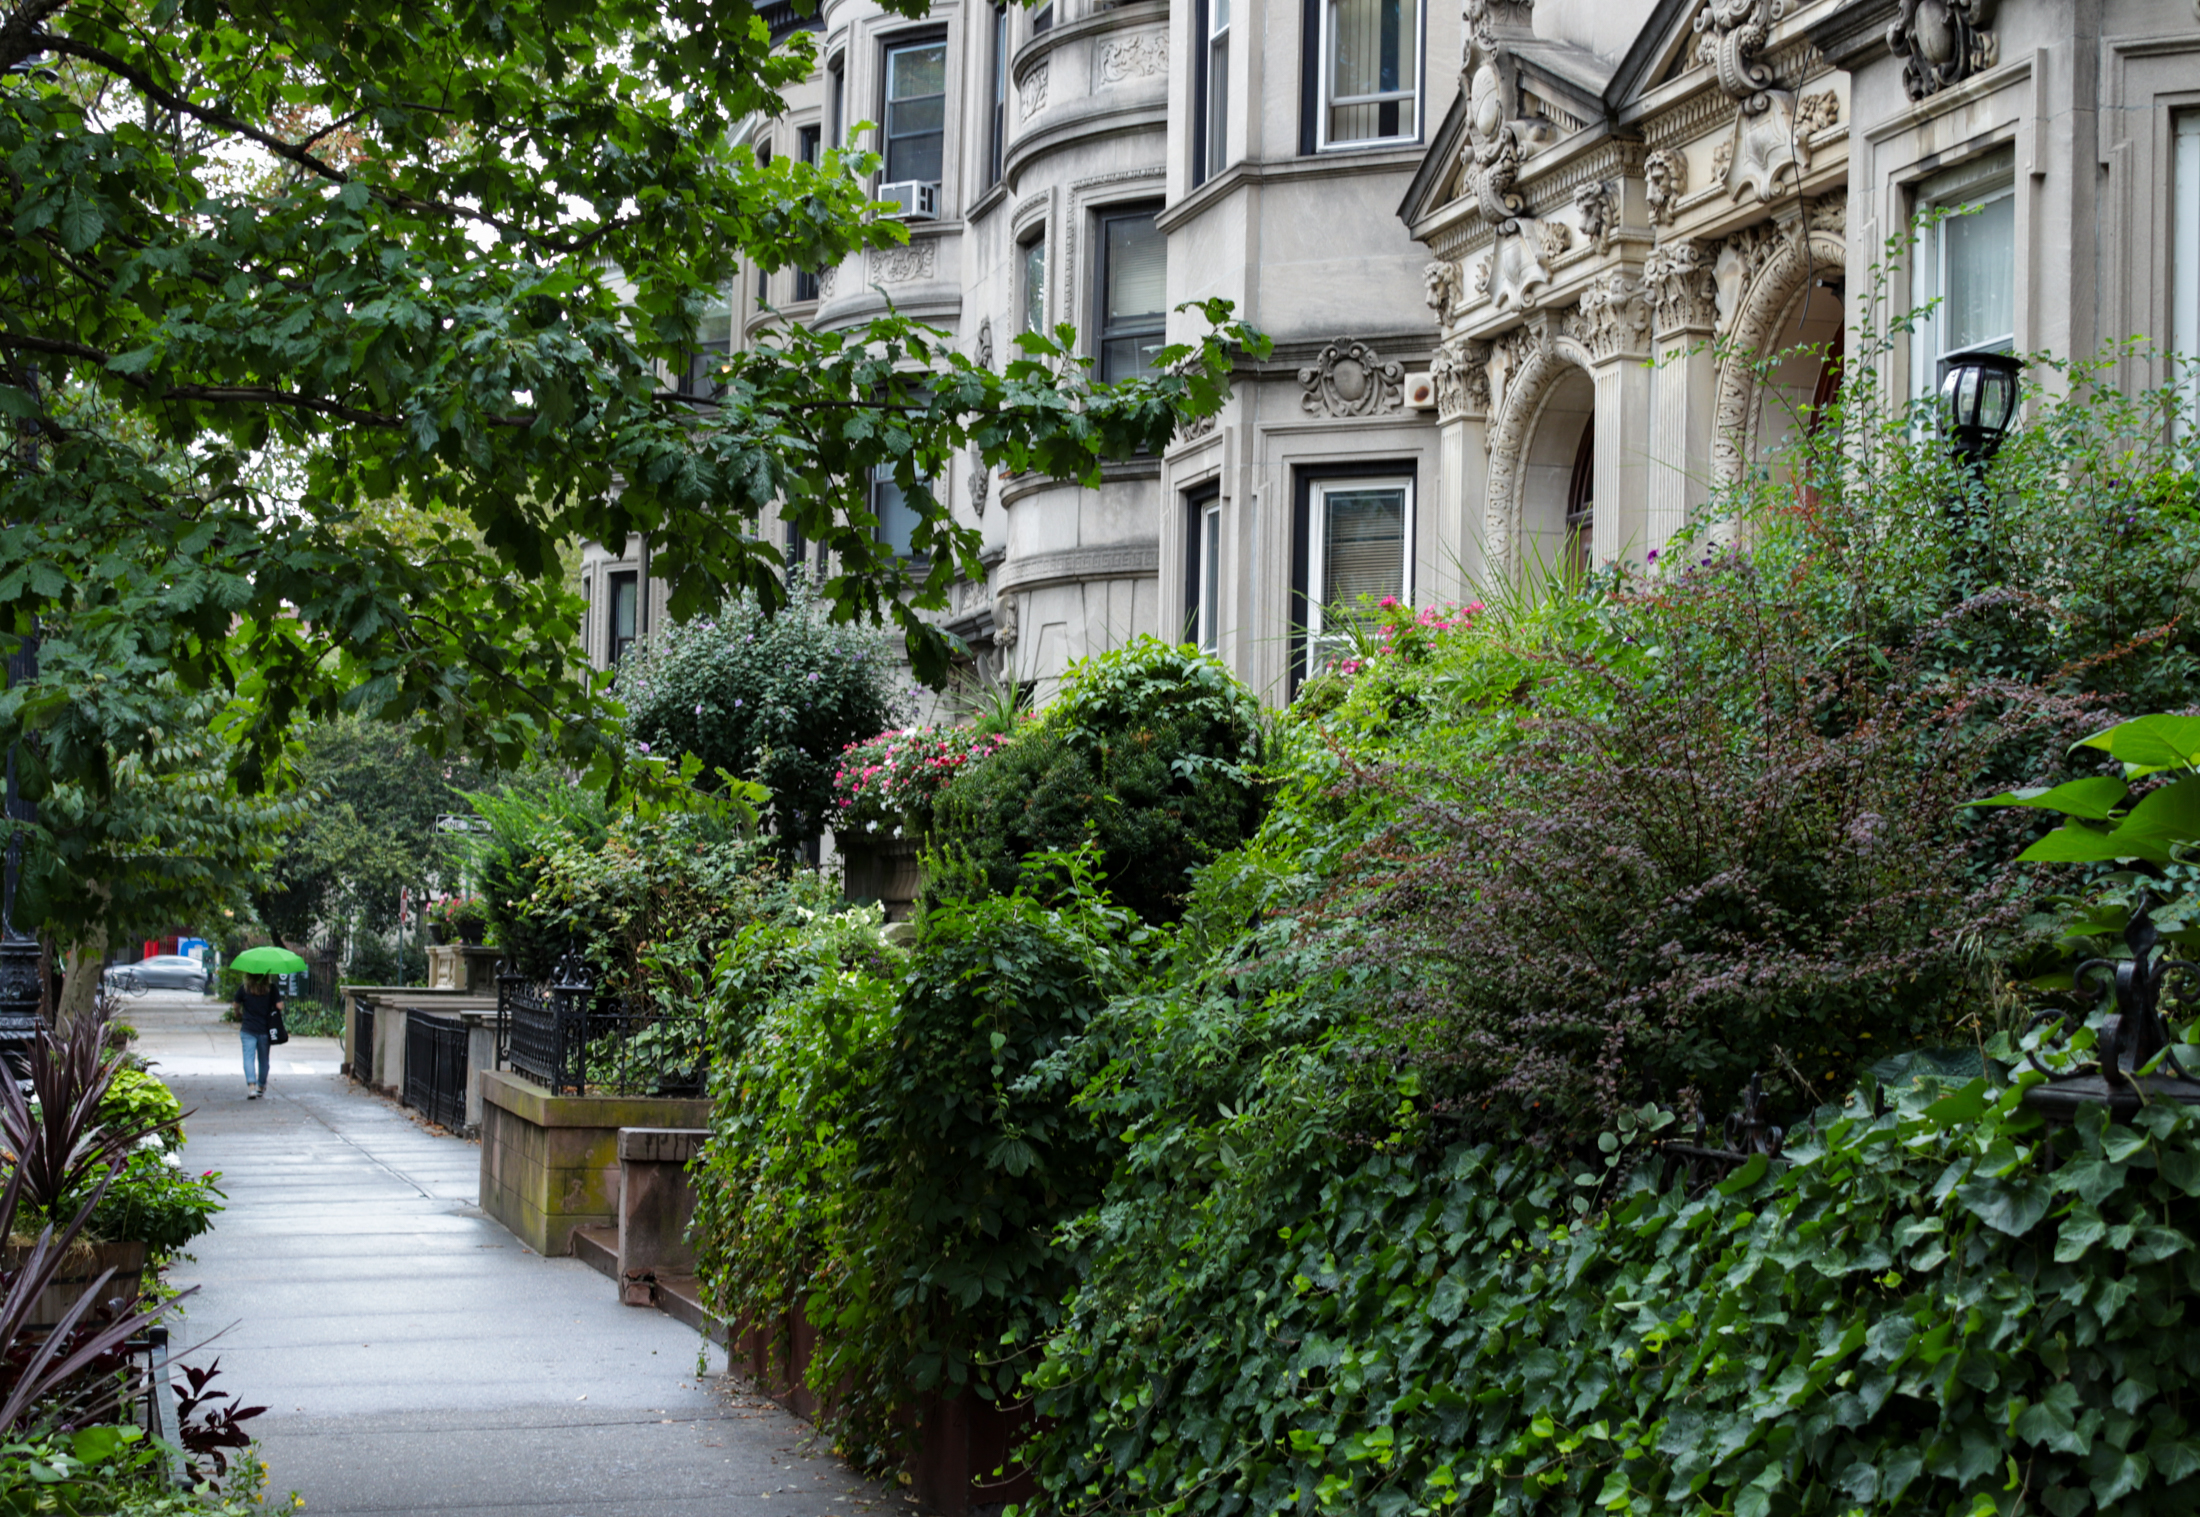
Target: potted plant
(883,792)
(458,919)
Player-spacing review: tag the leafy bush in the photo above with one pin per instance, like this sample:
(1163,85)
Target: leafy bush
(773,698)
(1147,753)
(1918,1312)
(155,1202)
(885,1153)
(139,1101)
(102,1471)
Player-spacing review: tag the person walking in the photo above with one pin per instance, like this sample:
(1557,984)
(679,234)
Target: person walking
(259,1005)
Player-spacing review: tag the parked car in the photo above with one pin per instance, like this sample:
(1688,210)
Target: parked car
(163,971)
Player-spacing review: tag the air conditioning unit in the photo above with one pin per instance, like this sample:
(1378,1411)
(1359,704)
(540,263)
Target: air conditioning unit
(919,199)
(1420,392)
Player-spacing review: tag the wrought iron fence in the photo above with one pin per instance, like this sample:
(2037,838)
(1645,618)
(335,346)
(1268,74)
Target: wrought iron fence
(362,1041)
(435,1068)
(578,1040)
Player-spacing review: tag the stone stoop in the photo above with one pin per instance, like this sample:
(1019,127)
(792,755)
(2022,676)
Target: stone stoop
(598,1248)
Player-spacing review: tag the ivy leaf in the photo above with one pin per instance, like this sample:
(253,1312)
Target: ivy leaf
(2014,1207)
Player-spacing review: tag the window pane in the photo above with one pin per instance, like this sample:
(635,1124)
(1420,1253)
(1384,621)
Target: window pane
(912,72)
(1218,15)
(1363,544)
(1982,276)
(1372,53)
(1210,578)
(1138,269)
(622,614)
(897,518)
(1035,285)
(1218,103)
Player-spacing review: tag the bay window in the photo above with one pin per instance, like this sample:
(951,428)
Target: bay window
(1133,286)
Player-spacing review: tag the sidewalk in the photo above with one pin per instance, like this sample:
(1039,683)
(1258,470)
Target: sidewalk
(414,1356)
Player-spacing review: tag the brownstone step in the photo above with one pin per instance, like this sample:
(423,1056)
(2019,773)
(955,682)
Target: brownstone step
(598,1247)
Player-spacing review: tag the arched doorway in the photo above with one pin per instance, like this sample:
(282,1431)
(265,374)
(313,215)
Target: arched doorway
(1804,371)
(1558,475)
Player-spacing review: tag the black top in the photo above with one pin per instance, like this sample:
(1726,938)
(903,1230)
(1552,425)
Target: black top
(258,1010)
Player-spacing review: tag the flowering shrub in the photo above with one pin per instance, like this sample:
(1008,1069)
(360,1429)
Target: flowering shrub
(890,781)
(1401,632)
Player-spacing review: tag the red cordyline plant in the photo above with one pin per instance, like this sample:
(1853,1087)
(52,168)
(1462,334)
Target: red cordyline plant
(55,1151)
(889,782)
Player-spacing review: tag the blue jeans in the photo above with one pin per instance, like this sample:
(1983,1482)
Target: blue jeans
(255,1045)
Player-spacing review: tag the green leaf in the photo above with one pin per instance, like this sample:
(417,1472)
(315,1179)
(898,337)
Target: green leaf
(2094,798)
(2077,843)
(2150,743)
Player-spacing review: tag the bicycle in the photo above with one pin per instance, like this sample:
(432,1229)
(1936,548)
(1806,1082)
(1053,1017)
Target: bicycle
(129,983)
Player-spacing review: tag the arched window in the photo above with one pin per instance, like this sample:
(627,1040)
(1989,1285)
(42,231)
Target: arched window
(1581,503)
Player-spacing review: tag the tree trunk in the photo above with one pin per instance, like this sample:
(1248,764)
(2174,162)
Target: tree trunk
(87,959)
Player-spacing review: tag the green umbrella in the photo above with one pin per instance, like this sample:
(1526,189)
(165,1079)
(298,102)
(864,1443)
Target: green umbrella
(268,961)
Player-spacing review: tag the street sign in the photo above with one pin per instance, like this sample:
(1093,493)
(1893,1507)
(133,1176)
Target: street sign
(451,821)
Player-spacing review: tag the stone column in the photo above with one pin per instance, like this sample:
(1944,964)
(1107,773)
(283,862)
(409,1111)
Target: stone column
(1683,295)
(1461,494)
(1613,325)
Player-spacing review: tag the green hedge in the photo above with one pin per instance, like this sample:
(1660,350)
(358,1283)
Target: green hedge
(1946,1309)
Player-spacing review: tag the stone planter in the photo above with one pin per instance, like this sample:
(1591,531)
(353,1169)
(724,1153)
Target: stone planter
(467,968)
(885,872)
(83,1264)
(550,1164)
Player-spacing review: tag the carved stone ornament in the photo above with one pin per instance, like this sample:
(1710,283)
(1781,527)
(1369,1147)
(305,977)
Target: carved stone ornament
(1004,622)
(1499,138)
(1137,55)
(1557,238)
(1682,290)
(1517,270)
(981,482)
(1446,287)
(1722,160)
(913,260)
(1599,213)
(1479,282)
(1741,259)
(1614,318)
(1664,180)
(1830,213)
(1461,373)
(981,352)
(1817,112)
(825,284)
(1349,379)
(1031,94)
(1768,140)
(1198,427)
(1943,42)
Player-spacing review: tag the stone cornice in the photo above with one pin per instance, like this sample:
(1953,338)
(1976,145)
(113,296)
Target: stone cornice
(1074,565)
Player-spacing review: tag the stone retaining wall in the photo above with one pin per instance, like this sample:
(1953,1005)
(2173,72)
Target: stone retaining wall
(550,1164)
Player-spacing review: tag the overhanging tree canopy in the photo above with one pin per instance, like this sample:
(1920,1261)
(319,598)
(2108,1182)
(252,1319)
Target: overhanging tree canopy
(445,252)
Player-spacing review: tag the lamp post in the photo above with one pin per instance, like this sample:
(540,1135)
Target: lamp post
(1978,400)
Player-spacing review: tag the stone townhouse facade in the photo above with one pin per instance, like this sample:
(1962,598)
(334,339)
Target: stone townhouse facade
(1518,261)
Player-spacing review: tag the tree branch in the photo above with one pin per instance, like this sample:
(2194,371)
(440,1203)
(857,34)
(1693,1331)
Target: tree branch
(20,37)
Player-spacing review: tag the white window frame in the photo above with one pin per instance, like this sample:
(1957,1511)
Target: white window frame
(1323,104)
(1317,550)
(1214,105)
(1992,179)
(2185,262)
(1207,607)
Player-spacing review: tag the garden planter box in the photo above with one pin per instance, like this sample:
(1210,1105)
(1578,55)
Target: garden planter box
(84,1264)
(466,968)
(550,1164)
(884,872)
(961,1440)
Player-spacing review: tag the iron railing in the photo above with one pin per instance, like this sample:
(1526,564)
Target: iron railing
(435,1068)
(362,1041)
(578,1040)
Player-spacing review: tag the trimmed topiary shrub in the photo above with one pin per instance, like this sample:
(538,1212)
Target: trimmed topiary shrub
(1147,754)
(771,698)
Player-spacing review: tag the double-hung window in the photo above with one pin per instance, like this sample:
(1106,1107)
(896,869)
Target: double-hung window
(916,111)
(1133,292)
(1359,535)
(997,98)
(1042,19)
(1211,112)
(1032,256)
(1203,569)
(621,622)
(807,142)
(2185,265)
(713,341)
(897,518)
(1965,267)
(1367,88)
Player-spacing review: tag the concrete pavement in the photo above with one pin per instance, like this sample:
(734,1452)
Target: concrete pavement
(414,1356)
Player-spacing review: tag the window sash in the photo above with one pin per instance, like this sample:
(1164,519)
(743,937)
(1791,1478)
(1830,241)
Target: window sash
(1988,184)
(916,124)
(1396,27)
(1133,292)
(997,144)
(1035,285)
(1375,559)
(1210,578)
(621,614)
(897,519)
(2185,265)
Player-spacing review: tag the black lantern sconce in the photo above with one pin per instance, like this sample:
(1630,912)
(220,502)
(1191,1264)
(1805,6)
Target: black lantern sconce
(1978,400)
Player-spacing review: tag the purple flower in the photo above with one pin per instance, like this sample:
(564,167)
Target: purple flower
(1653,556)
(645,747)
